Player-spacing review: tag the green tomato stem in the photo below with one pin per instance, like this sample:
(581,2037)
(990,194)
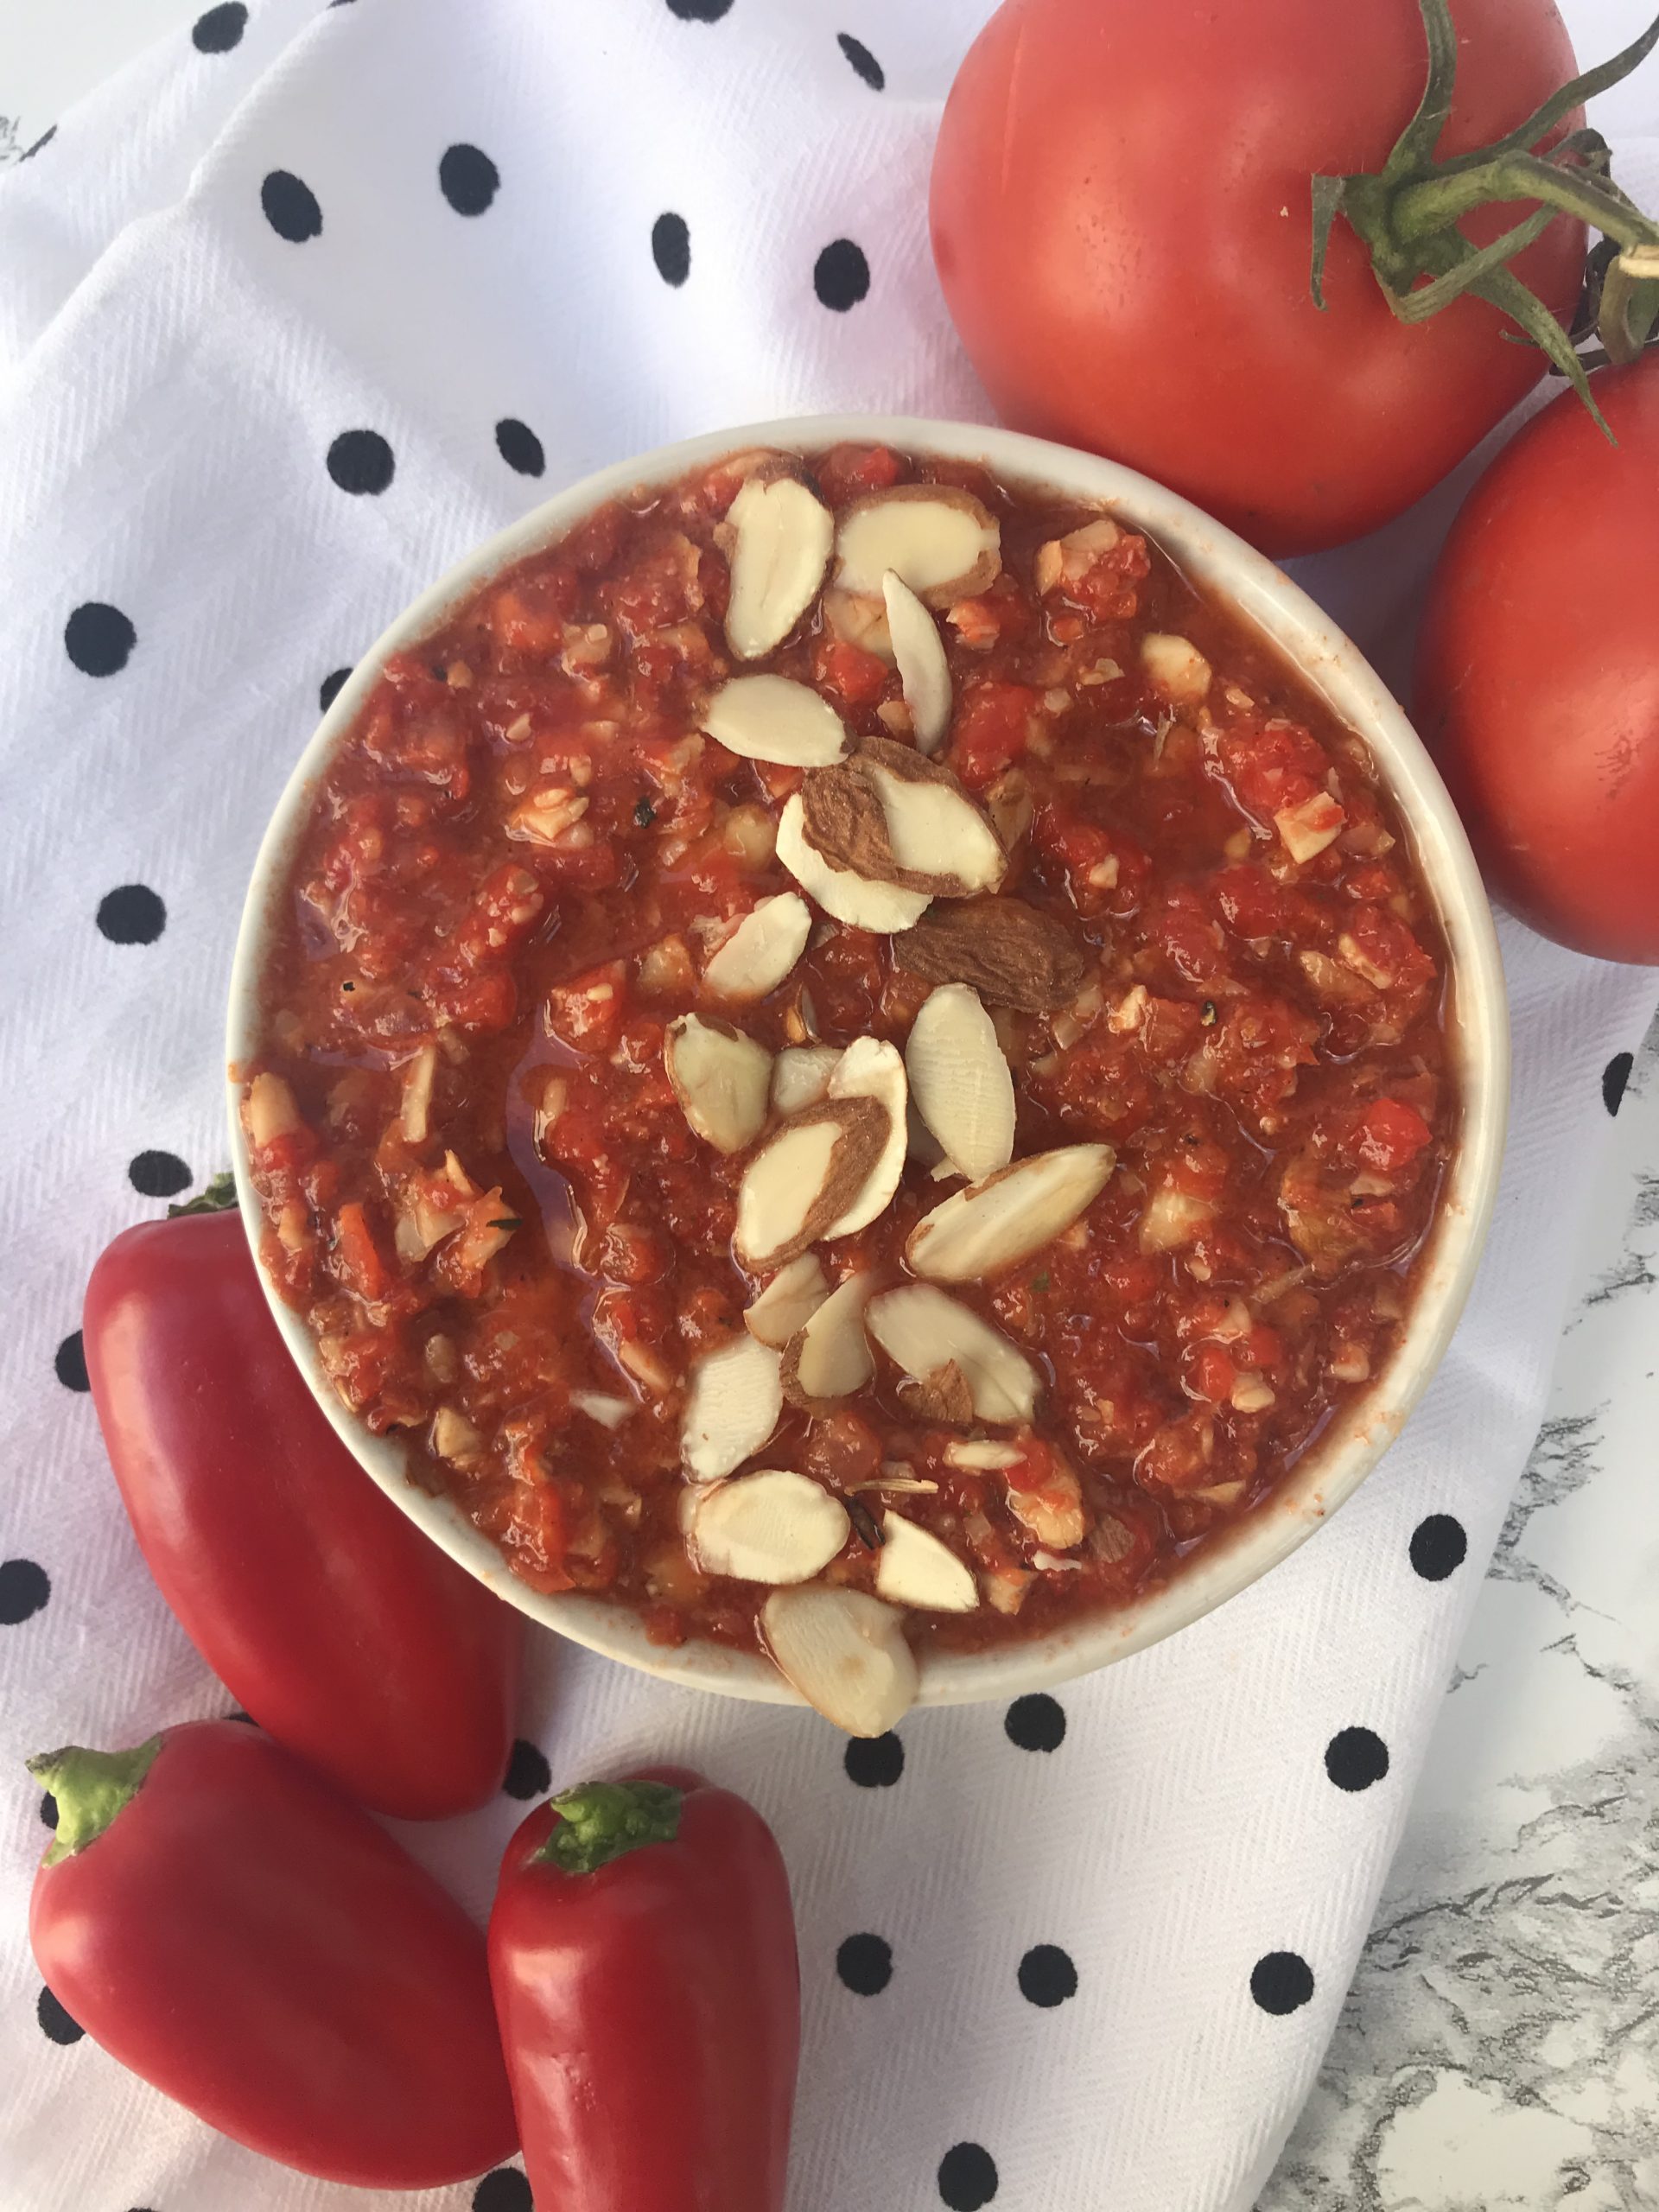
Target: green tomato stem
(92,1790)
(601,1820)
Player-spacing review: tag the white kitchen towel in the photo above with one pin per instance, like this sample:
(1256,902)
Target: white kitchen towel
(1083,1952)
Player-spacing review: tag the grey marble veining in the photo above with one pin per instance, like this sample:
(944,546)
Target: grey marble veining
(1499,2049)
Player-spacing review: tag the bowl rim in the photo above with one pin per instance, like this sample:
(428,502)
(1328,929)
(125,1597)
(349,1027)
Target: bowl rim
(1277,608)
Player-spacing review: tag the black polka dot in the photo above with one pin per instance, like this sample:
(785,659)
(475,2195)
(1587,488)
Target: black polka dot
(1036,1723)
(469,179)
(70,1362)
(24,1589)
(220,29)
(699,12)
(864,1964)
(44,140)
(360,461)
(504,2191)
(841,276)
(131,914)
(863,61)
(1281,1981)
(1047,1976)
(158,1174)
(967,2176)
(55,2022)
(290,207)
(99,639)
(670,248)
(1356,1758)
(329,689)
(527,1773)
(874,1762)
(519,447)
(1438,1547)
(1614,1077)
(49,1810)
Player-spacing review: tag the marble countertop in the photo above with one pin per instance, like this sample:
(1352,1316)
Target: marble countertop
(1499,2048)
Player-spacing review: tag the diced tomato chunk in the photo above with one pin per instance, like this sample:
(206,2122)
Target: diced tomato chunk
(1390,1136)
(993,723)
(856,678)
(848,472)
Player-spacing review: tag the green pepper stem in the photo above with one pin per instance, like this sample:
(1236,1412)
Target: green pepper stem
(92,1790)
(600,1821)
(219,1197)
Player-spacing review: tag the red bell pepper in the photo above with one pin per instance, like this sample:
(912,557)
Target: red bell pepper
(259,1949)
(322,1608)
(642,1953)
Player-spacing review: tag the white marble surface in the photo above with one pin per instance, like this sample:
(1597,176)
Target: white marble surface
(1499,2051)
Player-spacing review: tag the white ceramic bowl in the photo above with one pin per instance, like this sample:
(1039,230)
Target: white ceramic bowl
(1479,1037)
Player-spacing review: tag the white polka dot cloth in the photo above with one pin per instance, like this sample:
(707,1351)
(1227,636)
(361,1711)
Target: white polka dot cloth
(303,305)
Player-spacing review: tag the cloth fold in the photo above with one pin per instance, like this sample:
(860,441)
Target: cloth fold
(1085,1951)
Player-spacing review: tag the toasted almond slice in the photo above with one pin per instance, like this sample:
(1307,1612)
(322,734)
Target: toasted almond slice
(880,907)
(828,1358)
(805,1176)
(772,1527)
(1175,666)
(922,1329)
(1051,1563)
(915,1568)
(1013,954)
(937,536)
(870,1069)
(800,1076)
(601,1406)
(923,669)
(735,1397)
(721,1078)
(781,541)
(845,1653)
(859,619)
(944,1396)
(788,1302)
(770,718)
(960,1080)
(982,1453)
(991,1226)
(892,817)
(761,951)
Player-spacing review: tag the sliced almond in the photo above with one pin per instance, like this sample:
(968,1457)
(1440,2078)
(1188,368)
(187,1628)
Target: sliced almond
(915,1568)
(721,1078)
(859,619)
(415,1115)
(731,1407)
(1053,1513)
(1175,667)
(960,1081)
(781,539)
(945,1397)
(922,1329)
(891,816)
(601,1406)
(762,950)
(870,1069)
(923,669)
(845,1653)
(1067,560)
(880,907)
(788,1302)
(1011,954)
(937,538)
(800,1076)
(770,718)
(806,1174)
(772,1527)
(991,1226)
(981,1454)
(828,1358)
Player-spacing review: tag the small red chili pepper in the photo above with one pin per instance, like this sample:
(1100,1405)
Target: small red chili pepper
(259,1949)
(642,1952)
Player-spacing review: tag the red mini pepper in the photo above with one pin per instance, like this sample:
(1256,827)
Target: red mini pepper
(326,1612)
(259,1949)
(642,1953)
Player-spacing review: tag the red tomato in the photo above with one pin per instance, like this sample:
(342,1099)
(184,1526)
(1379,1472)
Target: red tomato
(1121,221)
(1537,681)
(259,1950)
(321,1607)
(642,1952)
